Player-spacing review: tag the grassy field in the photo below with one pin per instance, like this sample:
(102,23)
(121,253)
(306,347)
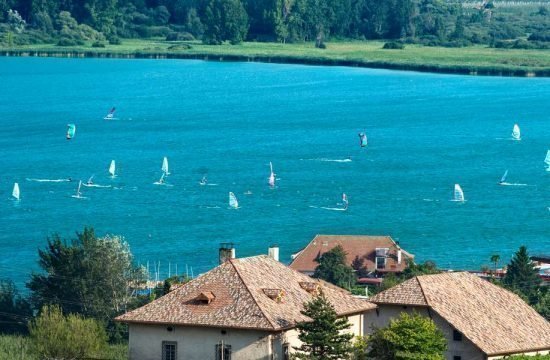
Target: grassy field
(474,59)
(18,348)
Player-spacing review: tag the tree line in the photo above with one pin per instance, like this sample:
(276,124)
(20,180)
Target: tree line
(431,22)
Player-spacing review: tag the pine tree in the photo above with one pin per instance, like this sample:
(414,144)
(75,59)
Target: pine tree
(521,274)
(323,337)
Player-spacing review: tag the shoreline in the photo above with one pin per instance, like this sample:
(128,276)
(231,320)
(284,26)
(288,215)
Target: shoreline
(284,59)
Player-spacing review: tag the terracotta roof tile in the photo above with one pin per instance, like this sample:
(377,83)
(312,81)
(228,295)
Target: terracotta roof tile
(354,245)
(494,319)
(244,297)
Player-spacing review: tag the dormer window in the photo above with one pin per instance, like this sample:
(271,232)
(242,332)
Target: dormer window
(205,297)
(309,286)
(274,294)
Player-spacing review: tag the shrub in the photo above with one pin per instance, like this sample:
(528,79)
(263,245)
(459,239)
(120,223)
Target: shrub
(73,337)
(98,44)
(179,47)
(179,36)
(114,40)
(65,41)
(393,45)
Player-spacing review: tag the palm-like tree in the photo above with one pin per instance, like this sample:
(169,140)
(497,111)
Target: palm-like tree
(495,259)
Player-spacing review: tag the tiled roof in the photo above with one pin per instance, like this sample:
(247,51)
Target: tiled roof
(353,245)
(494,319)
(244,297)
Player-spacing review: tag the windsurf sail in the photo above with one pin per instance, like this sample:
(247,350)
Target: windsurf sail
(345,200)
(547,159)
(503,178)
(110,115)
(233,203)
(363,139)
(112,168)
(204,180)
(458,193)
(90,180)
(165,166)
(516,133)
(271,180)
(78,193)
(15,192)
(71,130)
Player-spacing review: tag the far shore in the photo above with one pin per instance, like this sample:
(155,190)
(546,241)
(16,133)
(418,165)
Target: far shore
(474,60)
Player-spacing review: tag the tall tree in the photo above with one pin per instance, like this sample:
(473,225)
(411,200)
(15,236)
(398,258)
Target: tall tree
(323,337)
(91,276)
(408,337)
(333,268)
(225,20)
(521,274)
(495,258)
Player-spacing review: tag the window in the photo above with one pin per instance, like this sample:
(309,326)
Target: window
(457,335)
(169,349)
(286,352)
(223,351)
(380,262)
(457,357)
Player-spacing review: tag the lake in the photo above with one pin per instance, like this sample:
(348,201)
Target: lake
(426,132)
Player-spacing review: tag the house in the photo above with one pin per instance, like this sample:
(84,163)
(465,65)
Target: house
(480,320)
(380,254)
(243,309)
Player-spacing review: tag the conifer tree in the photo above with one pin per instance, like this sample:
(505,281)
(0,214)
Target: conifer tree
(521,274)
(323,337)
(333,268)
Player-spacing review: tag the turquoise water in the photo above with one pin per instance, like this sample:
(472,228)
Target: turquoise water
(229,120)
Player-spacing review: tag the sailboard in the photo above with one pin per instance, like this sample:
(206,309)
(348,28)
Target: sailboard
(271,179)
(110,115)
(503,178)
(71,131)
(516,133)
(112,168)
(161,181)
(164,167)
(233,202)
(78,194)
(345,201)
(458,194)
(90,183)
(15,193)
(363,141)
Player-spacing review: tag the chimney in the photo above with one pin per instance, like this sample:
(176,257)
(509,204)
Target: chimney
(399,256)
(273,252)
(226,252)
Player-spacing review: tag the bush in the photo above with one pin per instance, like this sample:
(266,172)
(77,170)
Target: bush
(179,36)
(114,40)
(540,36)
(98,44)
(179,47)
(65,41)
(393,45)
(72,337)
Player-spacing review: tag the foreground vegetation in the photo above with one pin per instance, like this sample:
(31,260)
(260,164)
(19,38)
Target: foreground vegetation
(473,59)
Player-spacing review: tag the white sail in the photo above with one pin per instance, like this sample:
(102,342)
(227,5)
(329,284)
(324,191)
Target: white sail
(112,168)
(15,192)
(458,193)
(503,179)
(516,133)
(345,200)
(547,159)
(165,166)
(233,203)
(271,176)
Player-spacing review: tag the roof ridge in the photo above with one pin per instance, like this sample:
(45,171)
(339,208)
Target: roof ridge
(252,295)
(422,291)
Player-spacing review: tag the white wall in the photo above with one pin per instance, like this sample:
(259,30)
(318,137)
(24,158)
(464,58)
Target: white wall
(465,348)
(197,343)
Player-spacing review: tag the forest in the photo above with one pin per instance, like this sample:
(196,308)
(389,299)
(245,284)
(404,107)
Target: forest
(428,22)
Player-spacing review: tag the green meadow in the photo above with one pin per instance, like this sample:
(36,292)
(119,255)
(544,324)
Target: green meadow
(472,59)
